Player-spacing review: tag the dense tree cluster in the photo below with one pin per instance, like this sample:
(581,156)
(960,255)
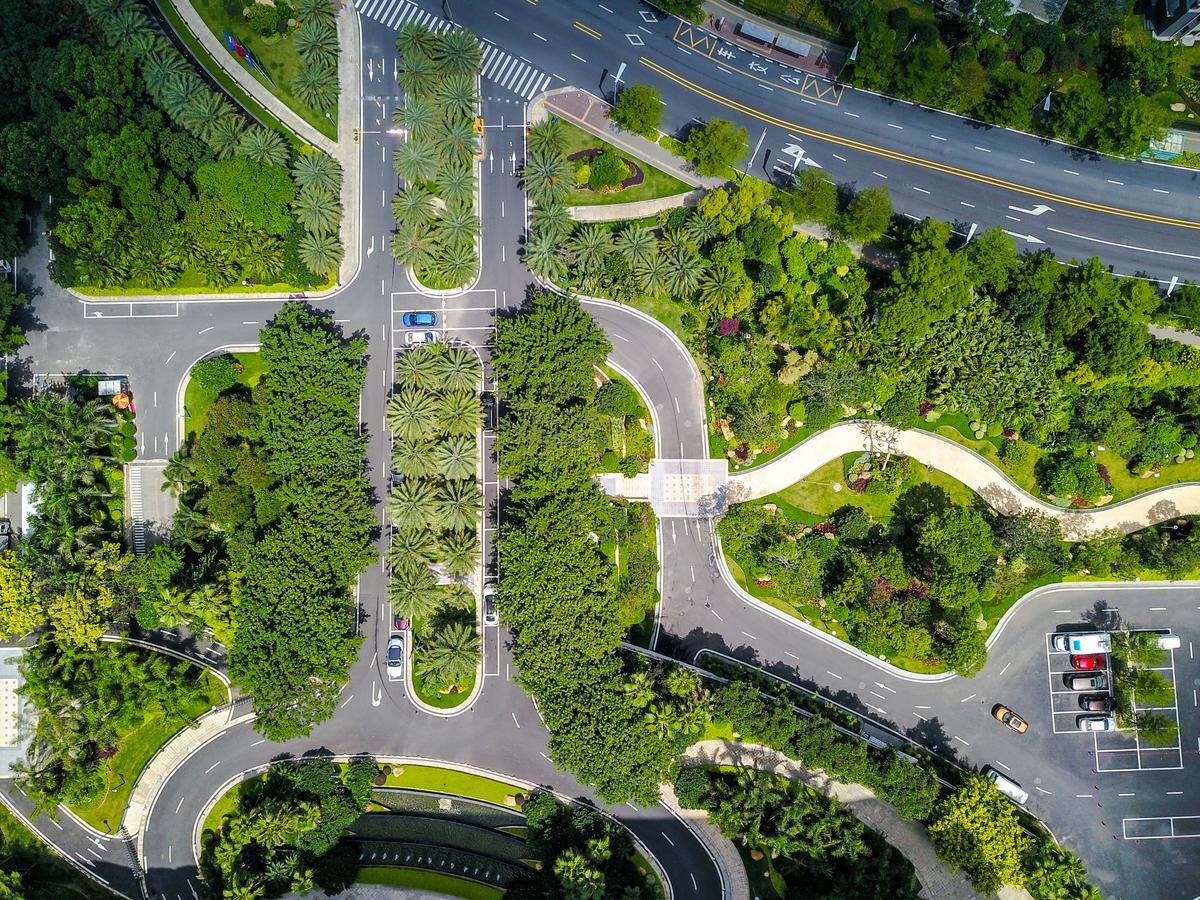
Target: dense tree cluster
(435,415)
(639,109)
(85,699)
(998,67)
(275,522)
(283,835)
(813,844)
(436,159)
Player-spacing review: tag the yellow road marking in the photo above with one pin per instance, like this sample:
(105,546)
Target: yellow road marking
(695,38)
(590,32)
(913,160)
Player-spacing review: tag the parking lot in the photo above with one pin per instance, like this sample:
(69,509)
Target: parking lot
(1114,751)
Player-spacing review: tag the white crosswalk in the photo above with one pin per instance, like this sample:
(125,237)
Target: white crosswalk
(503,68)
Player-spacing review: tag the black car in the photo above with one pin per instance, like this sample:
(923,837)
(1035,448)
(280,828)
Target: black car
(1097,703)
(488,400)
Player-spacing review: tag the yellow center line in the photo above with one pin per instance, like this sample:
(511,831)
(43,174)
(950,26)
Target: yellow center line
(590,32)
(913,160)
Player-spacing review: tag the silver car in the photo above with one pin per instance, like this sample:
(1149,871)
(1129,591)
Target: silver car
(1095,723)
(1095,682)
(490,616)
(395,658)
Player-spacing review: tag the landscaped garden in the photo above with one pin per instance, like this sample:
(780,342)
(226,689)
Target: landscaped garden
(212,377)
(626,421)
(437,219)
(435,417)
(604,175)
(295,46)
(32,871)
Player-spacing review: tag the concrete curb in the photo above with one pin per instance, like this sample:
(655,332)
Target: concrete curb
(735,885)
(637,209)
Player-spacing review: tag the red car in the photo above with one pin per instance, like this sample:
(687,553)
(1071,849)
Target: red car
(1091,661)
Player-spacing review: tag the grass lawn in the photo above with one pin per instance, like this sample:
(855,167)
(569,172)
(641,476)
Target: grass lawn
(44,875)
(428,882)
(765,882)
(667,311)
(225,805)
(657,183)
(196,400)
(134,750)
(434,697)
(191,283)
(278,57)
(451,781)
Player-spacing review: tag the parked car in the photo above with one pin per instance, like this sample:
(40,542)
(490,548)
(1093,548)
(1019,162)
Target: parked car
(395,658)
(488,400)
(1097,703)
(399,623)
(1097,682)
(1095,723)
(1009,788)
(1091,661)
(1009,719)
(1087,642)
(419,319)
(416,338)
(490,616)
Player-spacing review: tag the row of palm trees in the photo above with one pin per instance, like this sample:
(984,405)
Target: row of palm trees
(435,160)
(316,82)
(210,117)
(434,415)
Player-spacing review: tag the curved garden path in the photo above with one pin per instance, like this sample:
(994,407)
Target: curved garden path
(964,464)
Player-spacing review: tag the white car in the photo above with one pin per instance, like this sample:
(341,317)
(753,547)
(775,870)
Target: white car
(414,338)
(490,616)
(395,658)
(1096,723)
(1089,642)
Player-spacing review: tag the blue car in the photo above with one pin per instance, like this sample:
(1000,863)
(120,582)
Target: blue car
(419,319)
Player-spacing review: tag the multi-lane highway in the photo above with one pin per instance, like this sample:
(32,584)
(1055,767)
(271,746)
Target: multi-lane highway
(1138,217)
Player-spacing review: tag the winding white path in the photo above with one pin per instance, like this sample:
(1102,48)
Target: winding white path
(977,473)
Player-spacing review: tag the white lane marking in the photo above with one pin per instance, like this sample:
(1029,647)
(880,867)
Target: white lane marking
(965,699)
(884,686)
(877,694)
(880,174)
(1160,191)
(897,127)
(171,357)
(717,614)
(922,707)
(1069,172)
(1005,669)
(515,722)
(676,405)
(1084,237)
(621,337)
(348,699)
(1158,609)
(1121,183)
(578,57)
(966,204)
(1130,794)
(657,363)
(834,674)
(983,149)
(921,717)
(1083,796)
(1044,791)
(1174,793)
(669,841)
(852,115)
(213,766)
(957,738)
(206,330)
(1002,765)
(766,87)
(792,655)
(630,805)
(842,158)
(538,36)
(921,190)
(938,137)
(749,635)
(692,568)
(179,804)
(544,756)
(504,17)
(695,887)
(1028,161)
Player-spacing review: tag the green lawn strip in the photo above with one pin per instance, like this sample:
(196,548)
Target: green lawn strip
(656,184)
(611,458)
(666,311)
(225,805)
(280,59)
(134,751)
(434,697)
(765,882)
(432,882)
(451,781)
(196,400)
(191,283)
(44,875)
(214,71)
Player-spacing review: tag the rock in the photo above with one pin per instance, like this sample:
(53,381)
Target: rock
(722,425)
(1178,107)
(510,800)
(757,855)
(772,508)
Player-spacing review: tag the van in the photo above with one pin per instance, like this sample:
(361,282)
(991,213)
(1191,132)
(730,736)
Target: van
(1166,640)
(1007,786)
(1085,642)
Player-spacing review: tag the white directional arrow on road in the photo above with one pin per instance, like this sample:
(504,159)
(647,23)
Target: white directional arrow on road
(371,249)
(798,156)
(1028,238)
(1036,211)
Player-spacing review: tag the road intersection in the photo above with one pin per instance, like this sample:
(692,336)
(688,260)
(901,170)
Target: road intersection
(1119,817)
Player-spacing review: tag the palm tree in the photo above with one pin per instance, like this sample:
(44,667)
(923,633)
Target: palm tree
(548,177)
(459,412)
(420,77)
(640,689)
(547,136)
(458,53)
(202,115)
(544,257)
(456,143)
(412,414)
(458,226)
(317,42)
(456,264)
(701,229)
(455,185)
(416,161)
(662,720)
(591,244)
(420,116)
(414,38)
(458,369)
(459,553)
(177,473)
(125,27)
(146,44)
(180,91)
(417,368)
(683,270)
(637,244)
(719,287)
(414,505)
(413,245)
(413,593)
(455,457)
(264,146)
(458,505)
(321,253)
(412,549)
(317,171)
(457,98)
(413,459)
(317,211)
(160,66)
(322,10)
(262,256)
(413,206)
(226,137)
(553,220)
(677,239)
(316,84)
(452,655)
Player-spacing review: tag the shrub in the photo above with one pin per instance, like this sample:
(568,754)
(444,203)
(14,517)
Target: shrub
(617,399)
(1031,60)
(216,374)
(608,171)
(714,147)
(691,788)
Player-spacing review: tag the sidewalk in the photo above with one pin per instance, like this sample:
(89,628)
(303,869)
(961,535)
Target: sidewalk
(772,40)
(344,150)
(938,881)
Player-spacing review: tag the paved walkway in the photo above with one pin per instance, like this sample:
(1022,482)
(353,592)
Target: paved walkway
(724,853)
(968,467)
(938,881)
(813,54)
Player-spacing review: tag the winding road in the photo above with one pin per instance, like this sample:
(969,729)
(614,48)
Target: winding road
(1096,796)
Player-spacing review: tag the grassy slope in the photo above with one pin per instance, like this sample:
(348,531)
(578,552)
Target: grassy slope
(44,876)
(196,400)
(657,183)
(135,749)
(431,882)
